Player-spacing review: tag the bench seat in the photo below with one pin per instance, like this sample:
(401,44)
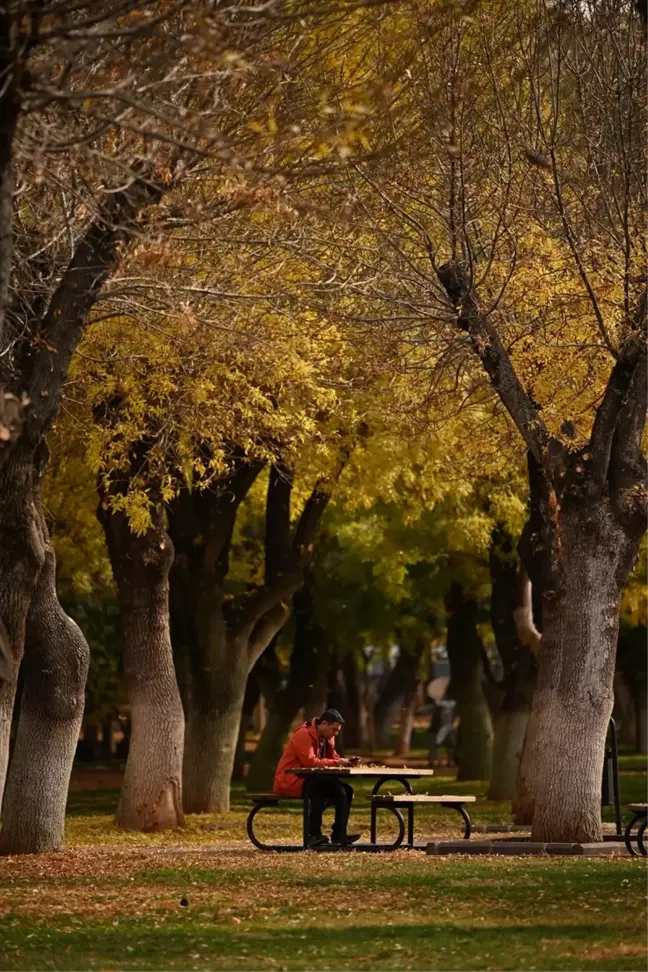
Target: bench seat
(410,800)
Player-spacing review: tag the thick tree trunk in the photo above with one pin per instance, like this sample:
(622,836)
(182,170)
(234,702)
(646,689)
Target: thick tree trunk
(22,554)
(219,679)
(306,686)
(466,687)
(518,664)
(151,794)
(400,682)
(227,635)
(51,709)
(573,700)
(523,798)
(7,697)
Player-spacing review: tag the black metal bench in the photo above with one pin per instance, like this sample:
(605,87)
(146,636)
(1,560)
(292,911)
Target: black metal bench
(264,800)
(410,800)
(639,818)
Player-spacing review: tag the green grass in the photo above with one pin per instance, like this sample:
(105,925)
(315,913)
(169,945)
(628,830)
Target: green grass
(250,911)
(91,813)
(112,900)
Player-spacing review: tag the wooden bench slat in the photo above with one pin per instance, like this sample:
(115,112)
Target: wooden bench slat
(638,807)
(422,798)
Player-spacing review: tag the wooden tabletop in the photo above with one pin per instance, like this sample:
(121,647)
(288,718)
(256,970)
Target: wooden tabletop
(395,771)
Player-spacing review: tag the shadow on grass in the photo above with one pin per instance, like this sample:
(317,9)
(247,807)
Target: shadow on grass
(90,803)
(182,943)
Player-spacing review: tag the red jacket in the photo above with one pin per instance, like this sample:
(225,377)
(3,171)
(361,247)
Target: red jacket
(303,749)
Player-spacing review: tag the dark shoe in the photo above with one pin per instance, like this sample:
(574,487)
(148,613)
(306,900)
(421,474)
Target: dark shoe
(319,840)
(346,841)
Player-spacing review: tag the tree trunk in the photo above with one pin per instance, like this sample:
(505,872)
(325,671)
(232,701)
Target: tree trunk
(151,794)
(219,663)
(400,682)
(271,743)
(518,664)
(466,687)
(573,700)
(22,554)
(624,710)
(355,727)
(308,674)
(219,679)
(51,710)
(227,635)
(508,744)
(523,799)
(7,698)
(406,724)
(12,56)
(250,701)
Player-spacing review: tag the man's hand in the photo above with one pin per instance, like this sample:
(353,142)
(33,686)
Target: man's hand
(351,761)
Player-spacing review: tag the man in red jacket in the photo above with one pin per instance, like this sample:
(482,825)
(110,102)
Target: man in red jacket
(313,744)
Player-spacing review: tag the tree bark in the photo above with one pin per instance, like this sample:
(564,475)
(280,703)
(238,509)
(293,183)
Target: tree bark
(22,554)
(406,723)
(400,682)
(7,700)
(308,666)
(219,678)
(587,517)
(227,635)
(355,727)
(518,664)
(466,687)
(574,694)
(151,794)
(51,710)
(251,699)
(271,743)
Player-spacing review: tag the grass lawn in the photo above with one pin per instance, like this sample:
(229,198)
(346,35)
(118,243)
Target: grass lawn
(202,898)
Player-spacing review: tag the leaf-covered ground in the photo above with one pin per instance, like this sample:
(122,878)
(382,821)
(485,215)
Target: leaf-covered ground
(233,908)
(203,898)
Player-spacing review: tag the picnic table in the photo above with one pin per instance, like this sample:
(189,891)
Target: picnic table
(393,803)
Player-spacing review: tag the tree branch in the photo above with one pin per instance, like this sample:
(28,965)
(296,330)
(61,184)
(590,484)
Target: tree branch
(251,606)
(277,520)
(627,473)
(617,392)
(265,629)
(488,346)
(60,331)
(201,521)
(523,614)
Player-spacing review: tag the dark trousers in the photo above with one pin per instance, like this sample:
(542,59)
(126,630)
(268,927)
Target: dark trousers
(324,793)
